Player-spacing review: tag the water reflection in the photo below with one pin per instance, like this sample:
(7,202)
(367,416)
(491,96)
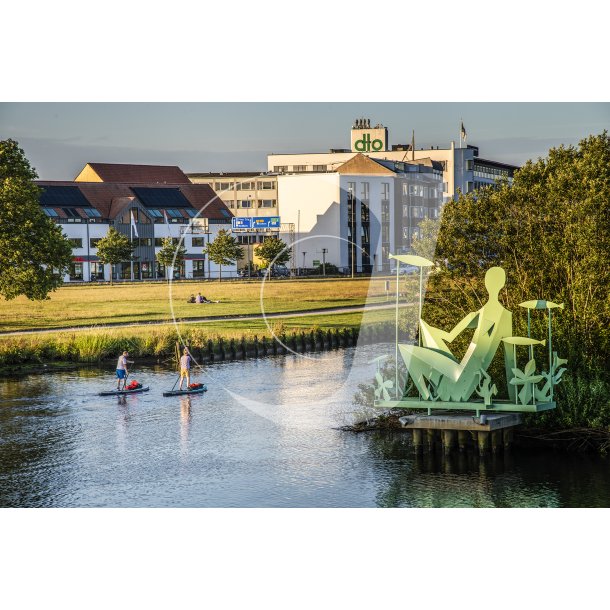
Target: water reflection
(185,422)
(273,442)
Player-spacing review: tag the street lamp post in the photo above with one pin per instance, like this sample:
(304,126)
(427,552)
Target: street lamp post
(324,251)
(303,269)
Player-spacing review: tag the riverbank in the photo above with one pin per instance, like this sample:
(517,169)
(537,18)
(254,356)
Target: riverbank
(208,343)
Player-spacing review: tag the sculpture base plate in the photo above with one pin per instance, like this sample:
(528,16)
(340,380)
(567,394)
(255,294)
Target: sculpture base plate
(429,405)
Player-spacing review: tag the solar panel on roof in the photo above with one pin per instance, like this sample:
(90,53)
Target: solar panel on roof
(161,197)
(63,196)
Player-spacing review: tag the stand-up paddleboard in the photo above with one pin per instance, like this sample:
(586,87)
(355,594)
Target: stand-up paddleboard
(121,392)
(200,390)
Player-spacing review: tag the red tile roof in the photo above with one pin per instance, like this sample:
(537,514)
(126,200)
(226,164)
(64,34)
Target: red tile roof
(140,174)
(107,197)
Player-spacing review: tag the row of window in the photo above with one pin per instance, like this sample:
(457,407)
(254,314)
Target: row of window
(252,203)
(418,190)
(197,242)
(419,211)
(282,169)
(141,270)
(253,239)
(73,213)
(263,185)
(485,171)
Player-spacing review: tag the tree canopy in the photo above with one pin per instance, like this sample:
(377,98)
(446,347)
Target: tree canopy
(114,248)
(273,251)
(550,231)
(224,250)
(171,255)
(34,253)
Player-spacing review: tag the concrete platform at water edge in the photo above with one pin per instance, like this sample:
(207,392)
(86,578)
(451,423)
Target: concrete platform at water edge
(489,431)
(486,422)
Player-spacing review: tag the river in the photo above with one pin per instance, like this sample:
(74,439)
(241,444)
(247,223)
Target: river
(264,435)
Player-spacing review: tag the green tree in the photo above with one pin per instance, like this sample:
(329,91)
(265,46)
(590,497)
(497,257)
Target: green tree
(273,250)
(171,255)
(550,231)
(114,248)
(34,253)
(224,250)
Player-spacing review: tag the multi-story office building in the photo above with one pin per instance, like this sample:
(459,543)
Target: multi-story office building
(354,216)
(145,203)
(463,169)
(248,195)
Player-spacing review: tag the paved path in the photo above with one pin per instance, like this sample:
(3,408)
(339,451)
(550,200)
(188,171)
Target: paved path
(284,314)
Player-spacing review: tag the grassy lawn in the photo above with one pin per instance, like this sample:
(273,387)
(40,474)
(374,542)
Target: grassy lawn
(129,303)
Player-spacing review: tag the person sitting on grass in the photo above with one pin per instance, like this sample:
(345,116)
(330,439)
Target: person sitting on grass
(191,299)
(200,299)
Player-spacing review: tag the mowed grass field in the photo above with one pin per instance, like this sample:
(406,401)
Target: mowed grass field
(133,303)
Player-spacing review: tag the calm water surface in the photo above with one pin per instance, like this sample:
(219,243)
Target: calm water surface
(264,435)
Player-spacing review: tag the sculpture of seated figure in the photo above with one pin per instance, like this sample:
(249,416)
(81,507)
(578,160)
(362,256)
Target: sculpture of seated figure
(432,365)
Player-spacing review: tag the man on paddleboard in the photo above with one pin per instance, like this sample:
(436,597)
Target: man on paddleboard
(121,370)
(185,368)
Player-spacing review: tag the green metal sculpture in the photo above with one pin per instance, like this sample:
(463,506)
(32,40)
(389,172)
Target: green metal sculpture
(444,382)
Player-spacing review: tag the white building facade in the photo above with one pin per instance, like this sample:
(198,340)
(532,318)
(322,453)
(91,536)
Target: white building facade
(146,213)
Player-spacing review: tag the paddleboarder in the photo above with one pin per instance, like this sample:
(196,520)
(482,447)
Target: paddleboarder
(121,370)
(185,368)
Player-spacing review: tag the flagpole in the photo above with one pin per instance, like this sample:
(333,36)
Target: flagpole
(131,242)
(461,123)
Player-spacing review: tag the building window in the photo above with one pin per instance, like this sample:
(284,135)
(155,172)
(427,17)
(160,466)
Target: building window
(385,191)
(299,168)
(266,185)
(50,212)
(365,191)
(146,270)
(224,186)
(92,213)
(198,242)
(469,165)
(405,211)
(320,168)
(199,268)
(445,187)
(245,186)
(76,242)
(244,203)
(385,211)
(280,169)
(159,241)
(415,232)
(191,213)
(94,241)
(142,241)
(97,271)
(173,213)
(267,203)
(76,271)
(72,215)
(156,215)
(417,211)
(469,186)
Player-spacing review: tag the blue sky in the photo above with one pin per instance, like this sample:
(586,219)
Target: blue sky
(59,138)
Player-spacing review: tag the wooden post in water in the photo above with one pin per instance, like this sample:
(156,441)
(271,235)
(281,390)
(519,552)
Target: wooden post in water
(483,442)
(417,439)
(462,440)
(449,440)
(496,440)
